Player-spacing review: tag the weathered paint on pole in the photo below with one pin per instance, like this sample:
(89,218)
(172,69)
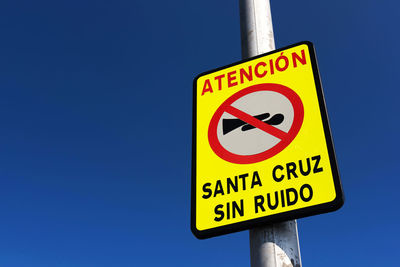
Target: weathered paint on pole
(274,245)
(256,27)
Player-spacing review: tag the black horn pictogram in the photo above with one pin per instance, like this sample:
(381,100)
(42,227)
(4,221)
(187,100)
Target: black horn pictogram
(229,125)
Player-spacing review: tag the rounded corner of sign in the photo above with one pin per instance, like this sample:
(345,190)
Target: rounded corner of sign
(338,202)
(197,77)
(196,232)
(307,43)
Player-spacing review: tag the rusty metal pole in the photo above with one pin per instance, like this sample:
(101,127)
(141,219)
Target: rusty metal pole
(274,245)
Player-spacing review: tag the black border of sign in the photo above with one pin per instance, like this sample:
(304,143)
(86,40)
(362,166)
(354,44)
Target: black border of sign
(290,215)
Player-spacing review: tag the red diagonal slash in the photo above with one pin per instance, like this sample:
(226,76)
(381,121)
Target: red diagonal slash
(256,122)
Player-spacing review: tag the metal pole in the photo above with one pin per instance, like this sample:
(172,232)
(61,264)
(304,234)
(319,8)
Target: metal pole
(274,245)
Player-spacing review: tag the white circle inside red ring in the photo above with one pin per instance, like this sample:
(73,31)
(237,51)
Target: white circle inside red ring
(265,151)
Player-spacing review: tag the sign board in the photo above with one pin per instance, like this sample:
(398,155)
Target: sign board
(262,147)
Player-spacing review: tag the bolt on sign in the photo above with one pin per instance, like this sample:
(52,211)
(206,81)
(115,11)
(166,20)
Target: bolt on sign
(262,147)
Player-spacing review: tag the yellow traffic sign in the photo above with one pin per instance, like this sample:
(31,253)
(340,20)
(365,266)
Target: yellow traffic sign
(262,147)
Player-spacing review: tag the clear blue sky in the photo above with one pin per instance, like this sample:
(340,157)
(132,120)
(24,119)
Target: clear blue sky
(95,139)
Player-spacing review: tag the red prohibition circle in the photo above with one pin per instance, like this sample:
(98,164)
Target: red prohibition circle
(285,140)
